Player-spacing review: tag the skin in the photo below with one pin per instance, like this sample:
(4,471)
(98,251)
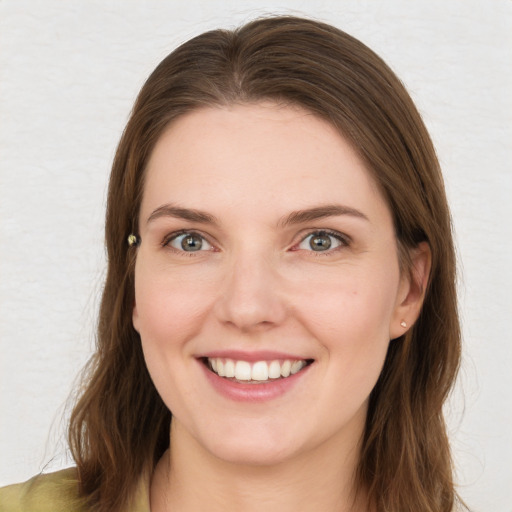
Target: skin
(259,285)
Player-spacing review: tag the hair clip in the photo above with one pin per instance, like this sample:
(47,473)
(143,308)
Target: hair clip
(133,240)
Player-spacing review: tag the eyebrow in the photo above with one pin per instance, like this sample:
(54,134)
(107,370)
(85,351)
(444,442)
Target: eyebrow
(169,210)
(320,212)
(295,217)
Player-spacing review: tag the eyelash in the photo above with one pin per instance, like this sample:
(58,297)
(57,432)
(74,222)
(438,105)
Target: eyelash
(173,236)
(344,240)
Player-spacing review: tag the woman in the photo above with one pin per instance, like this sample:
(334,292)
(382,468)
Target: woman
(281,278)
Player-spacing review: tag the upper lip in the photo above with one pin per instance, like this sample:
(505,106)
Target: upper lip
(260,355)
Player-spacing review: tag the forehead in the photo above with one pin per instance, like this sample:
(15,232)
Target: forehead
(256,156)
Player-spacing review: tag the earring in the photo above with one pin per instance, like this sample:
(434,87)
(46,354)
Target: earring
(403,323)
(133,240)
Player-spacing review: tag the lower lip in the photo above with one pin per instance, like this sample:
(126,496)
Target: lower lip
(253,392)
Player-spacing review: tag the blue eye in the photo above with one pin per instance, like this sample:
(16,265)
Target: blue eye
(322,241)
(189,242)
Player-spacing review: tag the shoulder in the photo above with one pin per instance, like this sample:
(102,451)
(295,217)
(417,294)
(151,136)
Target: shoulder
(53,492)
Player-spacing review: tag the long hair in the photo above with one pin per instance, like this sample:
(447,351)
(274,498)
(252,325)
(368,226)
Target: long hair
(120,426)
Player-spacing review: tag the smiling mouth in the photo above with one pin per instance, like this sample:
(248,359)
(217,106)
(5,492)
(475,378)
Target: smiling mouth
(257,372)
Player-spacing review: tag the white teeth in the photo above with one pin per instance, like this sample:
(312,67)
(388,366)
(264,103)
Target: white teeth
(259,371)
(229,368)
(297,367)
(243,370)
(274,370)
(285,368)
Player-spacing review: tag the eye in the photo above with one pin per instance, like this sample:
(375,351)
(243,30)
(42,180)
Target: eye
(322,241)
(188,242)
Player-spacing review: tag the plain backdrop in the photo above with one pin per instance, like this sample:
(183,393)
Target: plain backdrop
(69,72)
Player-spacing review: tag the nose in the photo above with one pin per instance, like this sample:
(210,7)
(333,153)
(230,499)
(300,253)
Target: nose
(251,297)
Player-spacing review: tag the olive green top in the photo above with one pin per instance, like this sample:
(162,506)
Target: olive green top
(57,492)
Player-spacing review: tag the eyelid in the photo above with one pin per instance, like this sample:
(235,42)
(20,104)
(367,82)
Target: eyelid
(175,234)
(344,240)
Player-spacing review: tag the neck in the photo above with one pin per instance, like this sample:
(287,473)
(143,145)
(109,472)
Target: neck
(188,478)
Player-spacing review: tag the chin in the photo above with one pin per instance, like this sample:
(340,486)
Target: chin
(263,454)
(252,445)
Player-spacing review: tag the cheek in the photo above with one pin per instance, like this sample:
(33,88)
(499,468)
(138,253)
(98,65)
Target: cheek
(168,314)
(169,307)
(352,304)
(350,317)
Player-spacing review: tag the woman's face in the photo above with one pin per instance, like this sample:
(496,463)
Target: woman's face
(268,256)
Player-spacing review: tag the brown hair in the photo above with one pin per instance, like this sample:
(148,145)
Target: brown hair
(120,426)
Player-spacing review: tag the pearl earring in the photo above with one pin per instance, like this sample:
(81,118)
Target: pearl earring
(403,323)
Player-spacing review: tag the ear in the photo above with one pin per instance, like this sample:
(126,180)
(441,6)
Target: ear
(411,291)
